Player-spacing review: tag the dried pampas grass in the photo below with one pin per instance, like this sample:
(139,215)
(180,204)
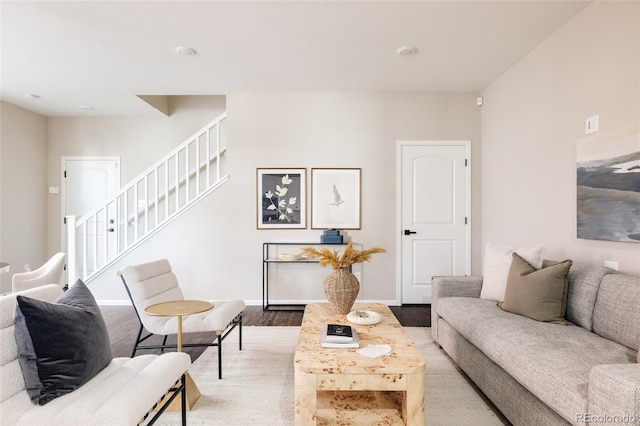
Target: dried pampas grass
(337,260)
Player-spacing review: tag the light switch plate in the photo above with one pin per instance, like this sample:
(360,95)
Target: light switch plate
(592,124)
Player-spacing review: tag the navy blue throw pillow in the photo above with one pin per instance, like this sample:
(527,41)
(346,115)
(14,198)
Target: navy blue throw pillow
(61,345)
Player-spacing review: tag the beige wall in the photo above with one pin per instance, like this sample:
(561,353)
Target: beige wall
(216,249)
(523,174)
(138,141)
(23,192)
(533,116)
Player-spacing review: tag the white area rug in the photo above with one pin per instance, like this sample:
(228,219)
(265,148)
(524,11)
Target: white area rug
(257,385)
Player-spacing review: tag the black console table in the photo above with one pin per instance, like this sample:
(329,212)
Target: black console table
(269,257)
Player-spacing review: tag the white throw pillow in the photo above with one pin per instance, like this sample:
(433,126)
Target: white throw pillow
(497,261)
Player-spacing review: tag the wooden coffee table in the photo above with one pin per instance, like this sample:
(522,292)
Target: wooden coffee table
(341,386)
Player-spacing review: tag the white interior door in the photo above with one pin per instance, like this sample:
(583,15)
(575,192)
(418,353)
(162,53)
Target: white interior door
(87,182)
(434,214)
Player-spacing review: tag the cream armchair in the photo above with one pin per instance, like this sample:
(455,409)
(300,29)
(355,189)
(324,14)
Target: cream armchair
(154,282)
(51,272)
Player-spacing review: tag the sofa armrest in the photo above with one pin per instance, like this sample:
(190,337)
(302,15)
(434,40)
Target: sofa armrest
(454,286)
(614,395)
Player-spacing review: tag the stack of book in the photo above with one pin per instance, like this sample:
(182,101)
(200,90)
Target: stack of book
(339,336)
(331,236)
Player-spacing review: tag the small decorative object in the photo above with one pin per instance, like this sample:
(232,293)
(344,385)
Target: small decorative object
(331,236)
(341,287)
(364,317)
(289,256)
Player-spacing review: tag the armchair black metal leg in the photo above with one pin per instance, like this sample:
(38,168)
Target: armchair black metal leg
(240,333)
(164,343)
(184,400)
(219,356)
(135,345)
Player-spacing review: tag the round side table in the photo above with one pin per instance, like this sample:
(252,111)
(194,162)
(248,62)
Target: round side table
(180,308)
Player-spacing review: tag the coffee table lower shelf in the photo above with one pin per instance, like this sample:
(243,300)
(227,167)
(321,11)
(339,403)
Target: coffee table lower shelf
(359,407)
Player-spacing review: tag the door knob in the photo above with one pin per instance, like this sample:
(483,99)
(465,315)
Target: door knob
(408,232)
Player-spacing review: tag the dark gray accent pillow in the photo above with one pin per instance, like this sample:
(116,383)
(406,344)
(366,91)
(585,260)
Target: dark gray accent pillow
(537,294)
(61,345)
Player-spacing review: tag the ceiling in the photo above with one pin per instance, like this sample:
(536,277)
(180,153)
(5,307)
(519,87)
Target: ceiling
(102,55)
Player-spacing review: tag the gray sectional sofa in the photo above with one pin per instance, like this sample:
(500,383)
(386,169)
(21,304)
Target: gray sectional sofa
(538,373)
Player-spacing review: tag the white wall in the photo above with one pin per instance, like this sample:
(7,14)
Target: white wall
(138,141)
(533,116)
(23,195)
(216,249)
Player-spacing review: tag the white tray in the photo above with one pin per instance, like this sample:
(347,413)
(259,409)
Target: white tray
(364,317)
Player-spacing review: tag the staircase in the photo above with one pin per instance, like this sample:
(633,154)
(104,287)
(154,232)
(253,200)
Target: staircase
(147,204)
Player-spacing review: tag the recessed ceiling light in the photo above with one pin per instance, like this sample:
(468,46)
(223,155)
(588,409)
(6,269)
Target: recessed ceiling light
(186,51)
(86,108)
(407,50)
(31,96)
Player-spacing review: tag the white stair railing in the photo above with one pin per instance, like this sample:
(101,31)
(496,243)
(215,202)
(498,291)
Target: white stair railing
(147,204)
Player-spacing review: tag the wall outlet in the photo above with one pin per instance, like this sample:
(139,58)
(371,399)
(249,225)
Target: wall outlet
(592,124)
(611,264)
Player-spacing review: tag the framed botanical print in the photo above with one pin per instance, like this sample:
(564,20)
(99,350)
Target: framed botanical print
(281,198)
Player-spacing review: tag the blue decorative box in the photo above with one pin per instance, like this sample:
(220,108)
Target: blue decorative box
(331,239)
(333,232)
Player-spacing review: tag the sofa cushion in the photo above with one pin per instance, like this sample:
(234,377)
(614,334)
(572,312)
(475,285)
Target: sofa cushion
(497,261)
(616,315)
(218,319)
(584,281)
(12,380)
(61,345)
(552,361)
(120,394)
(539,294)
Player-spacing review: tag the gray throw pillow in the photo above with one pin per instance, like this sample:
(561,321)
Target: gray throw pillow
(537,294)
(61,345)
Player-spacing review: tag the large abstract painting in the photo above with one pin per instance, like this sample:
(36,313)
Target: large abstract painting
(608,186)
